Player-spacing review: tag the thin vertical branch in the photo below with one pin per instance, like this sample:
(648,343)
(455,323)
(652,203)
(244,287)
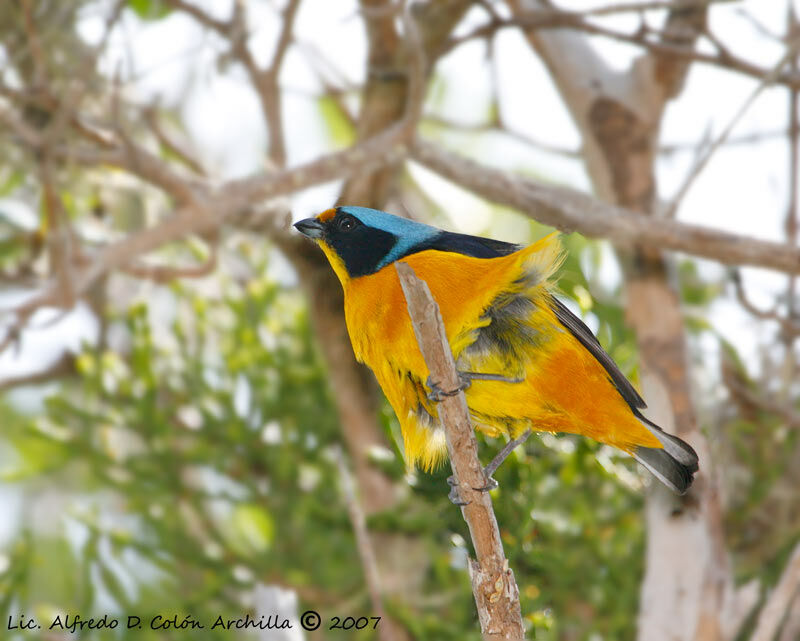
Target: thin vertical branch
(269,91)
(493,584)
(365,550)
(265,81)
(779,601)
(791,224)
(791,627)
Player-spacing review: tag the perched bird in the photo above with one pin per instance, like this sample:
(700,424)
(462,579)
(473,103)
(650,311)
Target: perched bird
(532,364)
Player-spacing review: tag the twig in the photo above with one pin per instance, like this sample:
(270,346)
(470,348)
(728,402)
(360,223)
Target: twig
(791,628)
(417,66)
(744,139)
(58,112)
(789,326)
(166,141)
(759,26)
(793,205)
(59,234)
(784,411)
(118,150)
(34,46)
(167,273)
(493,584)
(64,366)
(386,147)
(365,550)
(571,210)
(698,167)
(204,18)
(266,82)
(628,7)
(641,37)
(49,298)
(209,209)
(774,610)
(539,145)
(503,129)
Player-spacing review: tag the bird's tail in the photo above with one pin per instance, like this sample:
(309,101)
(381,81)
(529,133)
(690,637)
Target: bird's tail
(674,465)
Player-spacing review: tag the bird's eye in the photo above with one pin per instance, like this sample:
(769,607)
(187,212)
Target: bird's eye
(346,223)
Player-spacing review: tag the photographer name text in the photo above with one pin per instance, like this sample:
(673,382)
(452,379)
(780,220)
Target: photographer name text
(72,623)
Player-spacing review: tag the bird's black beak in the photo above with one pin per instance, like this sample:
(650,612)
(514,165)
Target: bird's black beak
(310,227)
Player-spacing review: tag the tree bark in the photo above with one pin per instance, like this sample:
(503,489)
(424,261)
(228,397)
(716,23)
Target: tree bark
(688,580)
(493,584)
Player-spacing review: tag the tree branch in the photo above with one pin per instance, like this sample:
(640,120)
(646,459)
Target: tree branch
(364,545)
(774,610)
(64,366)
(570,210)
(209,209)
(493,584)
(701,163)
(643,37)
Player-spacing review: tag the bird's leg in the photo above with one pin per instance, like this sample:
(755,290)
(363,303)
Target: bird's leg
(502,455)
(437,394)
(491,468)
(481,376)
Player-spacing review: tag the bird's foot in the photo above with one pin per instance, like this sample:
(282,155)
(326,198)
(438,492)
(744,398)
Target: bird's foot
(491,484)
(437,394)
(454,495)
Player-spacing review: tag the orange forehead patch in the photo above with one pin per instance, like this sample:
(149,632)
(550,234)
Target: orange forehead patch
(326,215)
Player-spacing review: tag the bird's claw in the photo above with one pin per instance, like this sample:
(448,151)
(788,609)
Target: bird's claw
(455,496)
(491,484)
(437,394)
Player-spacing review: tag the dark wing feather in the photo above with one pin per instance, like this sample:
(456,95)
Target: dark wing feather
(579,330)
(474,246)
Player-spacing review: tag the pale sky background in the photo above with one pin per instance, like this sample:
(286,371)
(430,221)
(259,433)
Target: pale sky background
(742,190)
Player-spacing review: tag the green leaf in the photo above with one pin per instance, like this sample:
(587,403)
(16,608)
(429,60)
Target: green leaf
(340,128)
(253,527)
(10,183)
(149,9)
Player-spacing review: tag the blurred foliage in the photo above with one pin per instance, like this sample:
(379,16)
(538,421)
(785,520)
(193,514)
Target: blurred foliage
(149,9)
(197,458)
(194,457)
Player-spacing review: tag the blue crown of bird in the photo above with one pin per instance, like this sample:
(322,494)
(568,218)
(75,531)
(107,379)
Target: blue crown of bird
(528,362)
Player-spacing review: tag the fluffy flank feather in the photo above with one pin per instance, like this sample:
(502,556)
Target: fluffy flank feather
(544,257)
(425,447)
